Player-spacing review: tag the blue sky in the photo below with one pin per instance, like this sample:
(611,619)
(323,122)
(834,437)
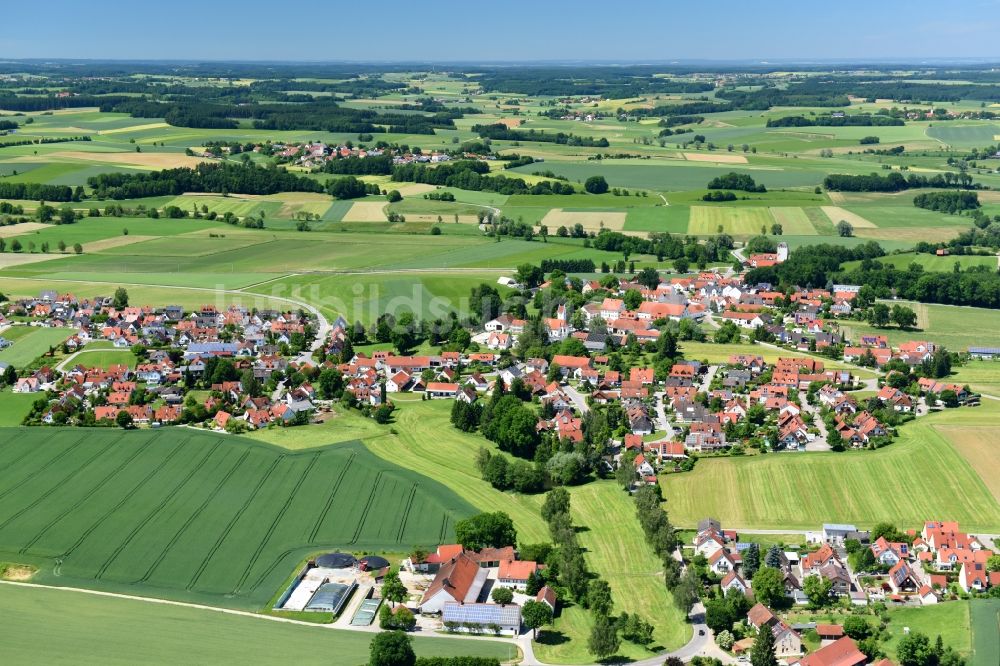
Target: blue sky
(449,30)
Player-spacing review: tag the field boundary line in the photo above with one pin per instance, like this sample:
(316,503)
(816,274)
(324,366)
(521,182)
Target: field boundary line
(155,510)
(58,485)
(330,498)
(277,520)
(191,518)
(107,514)
(229,526)
(368,507)
(87,495)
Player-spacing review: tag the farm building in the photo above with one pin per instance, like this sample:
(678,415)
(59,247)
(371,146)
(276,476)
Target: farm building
(984,353)
(508,617)
(460,580)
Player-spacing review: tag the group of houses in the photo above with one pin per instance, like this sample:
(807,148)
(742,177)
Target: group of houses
(177,348)
(463,580)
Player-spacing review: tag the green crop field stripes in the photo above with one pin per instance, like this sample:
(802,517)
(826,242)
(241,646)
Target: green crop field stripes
(195,516)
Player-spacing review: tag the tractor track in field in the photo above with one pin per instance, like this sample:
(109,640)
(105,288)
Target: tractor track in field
(41,498)
(232,522)
(56,458)
(277,520)
(329,500)
(192,517)
(90,493)
(155,510)
(110,512)
(368,506)
(406,512)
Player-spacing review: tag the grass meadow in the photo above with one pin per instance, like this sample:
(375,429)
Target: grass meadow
(132,632)
(803,491)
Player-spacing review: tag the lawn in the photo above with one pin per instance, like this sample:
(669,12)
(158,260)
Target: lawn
(202,517)
(31,343)
(802,491)
(104,358)
(949,620)
(14,407)
(103,631)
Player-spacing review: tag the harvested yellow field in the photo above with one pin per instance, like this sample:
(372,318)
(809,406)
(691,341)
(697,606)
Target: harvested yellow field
(19,229)
(133,128)
(989,196)
(149,160)
(836,214)
(721,158)
(510,122)
(366,211)
(590,220)
(115,241)
(980,445)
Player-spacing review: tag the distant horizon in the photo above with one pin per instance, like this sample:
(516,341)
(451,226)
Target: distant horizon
(451,31)
(533,62)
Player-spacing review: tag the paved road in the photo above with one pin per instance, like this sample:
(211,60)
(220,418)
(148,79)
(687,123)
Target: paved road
(578,399)
(661,413)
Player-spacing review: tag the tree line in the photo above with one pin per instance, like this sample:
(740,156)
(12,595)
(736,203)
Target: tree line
(897,182)
(216,177)
(846,120)
(500,132)
(470,175)
(947,202)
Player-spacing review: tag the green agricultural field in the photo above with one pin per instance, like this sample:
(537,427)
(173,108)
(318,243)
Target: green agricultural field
(131,632)
(793,221)
(930,262)
(955,327)
(982,376)
(985,619)
(153,295)
(200,516)
(803,491)
(673,175)
(736,221)
(30,343)
(364,297)
(672,219)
